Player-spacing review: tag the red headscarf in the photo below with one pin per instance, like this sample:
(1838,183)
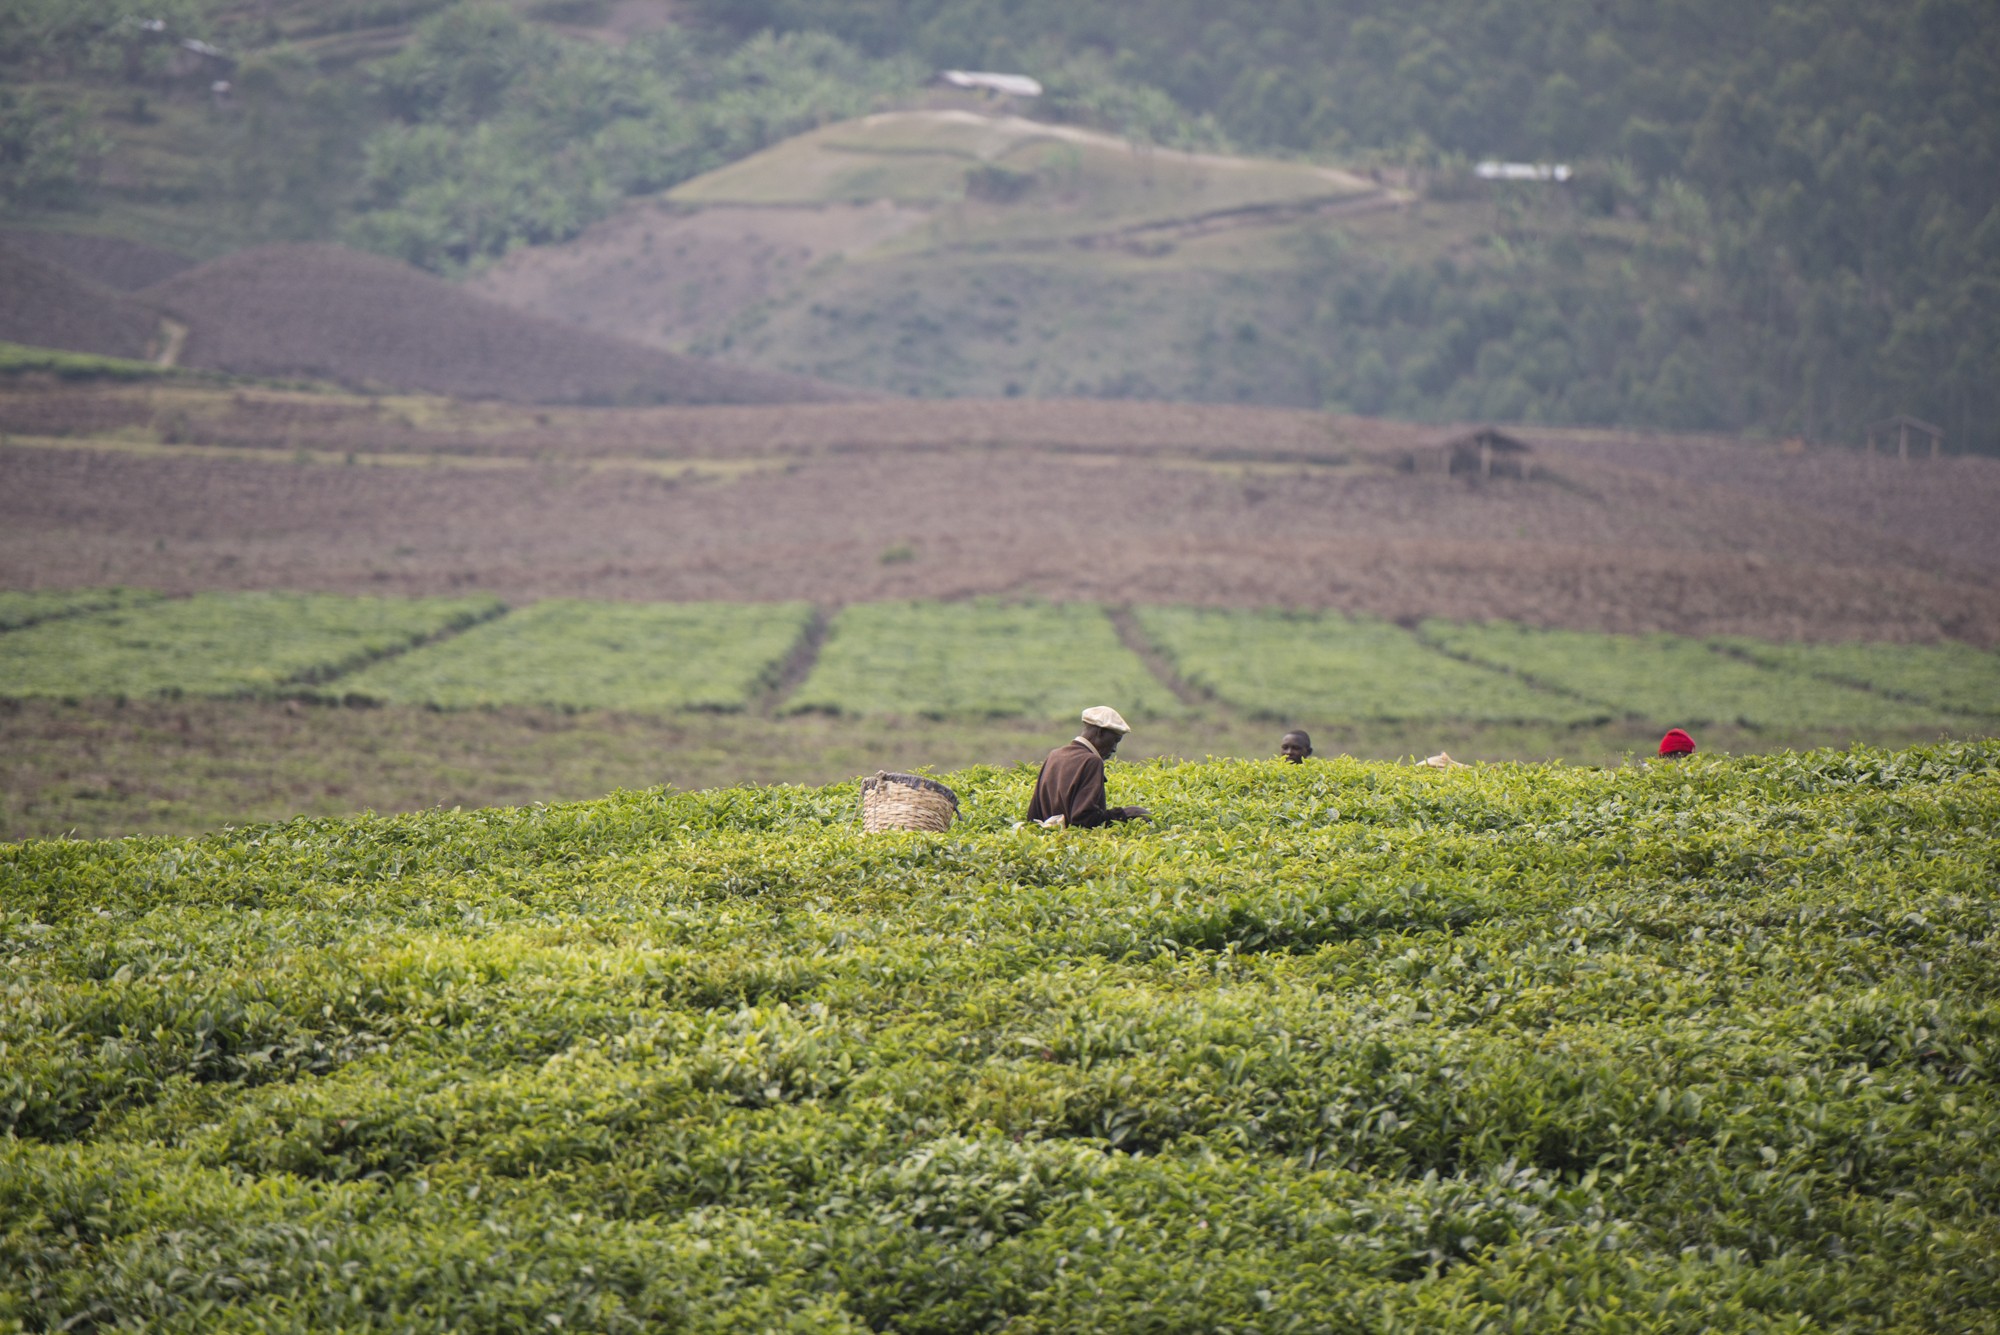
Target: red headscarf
(1676,743)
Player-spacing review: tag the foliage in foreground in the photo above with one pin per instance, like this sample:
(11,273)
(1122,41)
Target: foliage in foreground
(640,657)
(220,643)
(979,660)
(1305,666)
(1332,1047)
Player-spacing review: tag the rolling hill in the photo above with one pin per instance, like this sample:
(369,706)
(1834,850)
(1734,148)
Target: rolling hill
(48,306)
(324,312)
(942,252)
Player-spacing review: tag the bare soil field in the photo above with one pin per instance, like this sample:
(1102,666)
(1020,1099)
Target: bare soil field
(47,306)
(110,261)
(664,276)
(1949,507)
(327,313)
(1101,501)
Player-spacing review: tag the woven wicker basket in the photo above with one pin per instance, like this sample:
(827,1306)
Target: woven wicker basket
(892,801)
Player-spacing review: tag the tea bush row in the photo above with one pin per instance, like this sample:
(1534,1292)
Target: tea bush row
(220,643)
(25,607)
(1953,677)
(1337,1046)
(978,660)
(638,657)
(1304,666)
(1675,680)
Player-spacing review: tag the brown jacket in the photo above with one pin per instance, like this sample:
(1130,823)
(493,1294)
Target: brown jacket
(1071,785)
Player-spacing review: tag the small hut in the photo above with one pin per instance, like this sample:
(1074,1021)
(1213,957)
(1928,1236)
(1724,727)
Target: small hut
(1901,425)
(1480,450)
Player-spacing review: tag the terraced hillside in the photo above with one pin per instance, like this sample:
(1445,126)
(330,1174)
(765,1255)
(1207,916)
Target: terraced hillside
(948,251)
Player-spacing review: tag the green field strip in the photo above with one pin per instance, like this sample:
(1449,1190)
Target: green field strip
(1954,677)
(1673,680)
(1328,667)
(569,654)
(25,607)
(220,644)
(979,660)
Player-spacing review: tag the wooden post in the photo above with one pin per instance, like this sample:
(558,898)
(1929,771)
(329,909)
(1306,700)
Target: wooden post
(1935,442)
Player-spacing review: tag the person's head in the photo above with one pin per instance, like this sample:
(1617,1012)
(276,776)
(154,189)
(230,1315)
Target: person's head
(1295,746)
(1104,728)
(1676,744)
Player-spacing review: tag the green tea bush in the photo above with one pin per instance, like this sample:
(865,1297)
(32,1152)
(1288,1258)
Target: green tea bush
(1339,1046)
(979,660)
(1297,667)
(640,657)
(24,607)
(1953,677)
(220,643)
(1674,680)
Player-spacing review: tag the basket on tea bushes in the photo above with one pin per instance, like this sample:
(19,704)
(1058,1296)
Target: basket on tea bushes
(892,801)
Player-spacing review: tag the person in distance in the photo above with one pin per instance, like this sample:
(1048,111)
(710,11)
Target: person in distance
(1070,788)
(1676,744)
(1295,746)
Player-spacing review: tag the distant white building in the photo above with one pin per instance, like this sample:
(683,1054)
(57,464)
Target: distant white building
(1011,85)
(1522,171)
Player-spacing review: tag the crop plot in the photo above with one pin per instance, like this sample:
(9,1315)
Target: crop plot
(25,607)
(1335,1046)
(1301,667)
(1955,677)
(220,643)
(1671,680)
(636,657)
(979,660)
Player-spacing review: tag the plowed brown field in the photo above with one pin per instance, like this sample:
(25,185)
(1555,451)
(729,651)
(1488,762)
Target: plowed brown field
(325,312)
(185,489)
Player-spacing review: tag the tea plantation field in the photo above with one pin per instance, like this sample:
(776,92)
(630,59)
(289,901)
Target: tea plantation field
(1678,678)
(1303,666)
(638,657)
(1948,676)
(978,660)
(220,643)
(1332,1047)
(24,607)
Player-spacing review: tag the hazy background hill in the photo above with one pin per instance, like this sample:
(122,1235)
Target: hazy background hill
(1783,218)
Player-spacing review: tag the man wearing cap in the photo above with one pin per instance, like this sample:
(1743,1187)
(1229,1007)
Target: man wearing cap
(1070,788)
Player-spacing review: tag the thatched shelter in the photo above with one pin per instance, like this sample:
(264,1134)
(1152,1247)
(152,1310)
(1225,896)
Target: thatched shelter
(1900,426)
(1479,450)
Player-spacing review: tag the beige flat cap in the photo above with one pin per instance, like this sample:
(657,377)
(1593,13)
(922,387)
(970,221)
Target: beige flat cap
(1104,716)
